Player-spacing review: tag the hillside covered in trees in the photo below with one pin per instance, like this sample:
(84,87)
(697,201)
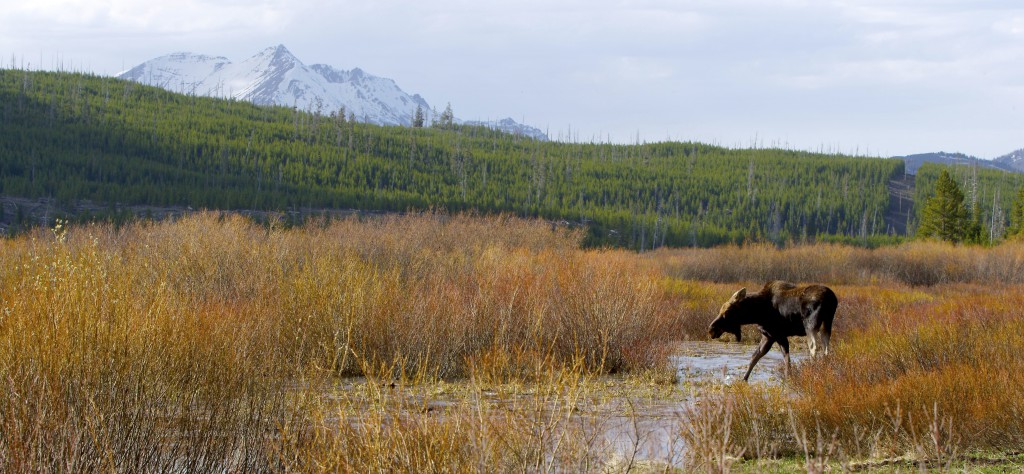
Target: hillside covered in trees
(73,137)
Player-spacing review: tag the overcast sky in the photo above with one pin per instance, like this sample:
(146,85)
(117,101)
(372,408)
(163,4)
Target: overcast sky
(878,77)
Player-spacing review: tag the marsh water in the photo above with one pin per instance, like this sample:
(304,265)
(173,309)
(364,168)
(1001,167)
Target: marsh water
(724,362)
(648,429)
(638,425)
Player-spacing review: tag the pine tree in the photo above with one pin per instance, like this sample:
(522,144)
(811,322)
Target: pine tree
(945,216)
(447,119)
(1017,216)
(418,118)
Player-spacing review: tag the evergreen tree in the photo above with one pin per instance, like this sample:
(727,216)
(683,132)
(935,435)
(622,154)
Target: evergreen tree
(447,118)
(1017,216)
(418,118)
(945,216)
(973,233)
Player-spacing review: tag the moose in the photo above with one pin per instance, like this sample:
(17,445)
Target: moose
(780,310)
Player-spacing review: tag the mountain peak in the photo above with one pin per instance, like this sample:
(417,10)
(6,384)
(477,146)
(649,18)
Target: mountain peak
(276,51)
(274,76)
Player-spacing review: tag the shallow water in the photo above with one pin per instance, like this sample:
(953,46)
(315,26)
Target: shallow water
(710,361)
(641,427)
(648,430)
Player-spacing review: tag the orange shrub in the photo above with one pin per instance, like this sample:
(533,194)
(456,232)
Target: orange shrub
(931,374)
(914,263)
(176,345)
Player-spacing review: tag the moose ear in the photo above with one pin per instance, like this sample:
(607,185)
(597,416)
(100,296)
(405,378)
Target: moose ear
(739,295)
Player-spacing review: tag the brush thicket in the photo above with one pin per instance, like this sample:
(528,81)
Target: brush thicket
(925,376)
(184,345)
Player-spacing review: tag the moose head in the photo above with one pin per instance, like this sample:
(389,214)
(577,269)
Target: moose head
(727,322)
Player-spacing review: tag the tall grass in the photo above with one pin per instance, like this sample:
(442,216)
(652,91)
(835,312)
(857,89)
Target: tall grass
(103,370)
(215,344)
(928,376)
(374,426)
(959,357)
(178,346)
(914,263)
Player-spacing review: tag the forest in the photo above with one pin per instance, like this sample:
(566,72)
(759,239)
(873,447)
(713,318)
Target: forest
(74,138)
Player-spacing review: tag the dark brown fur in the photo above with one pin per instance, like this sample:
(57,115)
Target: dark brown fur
(780,310)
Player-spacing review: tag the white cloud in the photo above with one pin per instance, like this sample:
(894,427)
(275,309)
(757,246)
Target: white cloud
(1010,26)
(132,16)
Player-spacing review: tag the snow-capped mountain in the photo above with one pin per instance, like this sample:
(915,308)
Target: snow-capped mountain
(275,76)
(1013,160)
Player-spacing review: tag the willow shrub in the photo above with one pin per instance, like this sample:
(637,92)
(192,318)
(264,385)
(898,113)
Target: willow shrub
(177,345)
(921,263)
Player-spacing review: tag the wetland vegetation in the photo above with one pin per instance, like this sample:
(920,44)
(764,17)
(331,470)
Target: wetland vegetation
(460,343)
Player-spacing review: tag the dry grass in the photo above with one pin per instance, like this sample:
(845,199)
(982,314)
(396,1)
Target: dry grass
(176,346)
(376,426)
(214,344)
(925,376)
(104,370)
(914,263)
(926,366)
(956,359)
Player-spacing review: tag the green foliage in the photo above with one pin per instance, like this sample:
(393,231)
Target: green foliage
(1017,215)
(944,216)
(988,195)
(418,118)
(447,119)
(77,137)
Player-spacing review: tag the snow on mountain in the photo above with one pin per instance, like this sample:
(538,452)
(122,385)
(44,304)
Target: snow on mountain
(1013,160)
(275,76)
(508,125)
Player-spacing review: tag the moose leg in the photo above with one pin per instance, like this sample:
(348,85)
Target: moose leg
(812,343)
(762,349)
(784,344)
(826,334)
(810,327)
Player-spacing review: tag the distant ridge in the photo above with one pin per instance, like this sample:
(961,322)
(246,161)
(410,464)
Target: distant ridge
(275,76)
(1013,162)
